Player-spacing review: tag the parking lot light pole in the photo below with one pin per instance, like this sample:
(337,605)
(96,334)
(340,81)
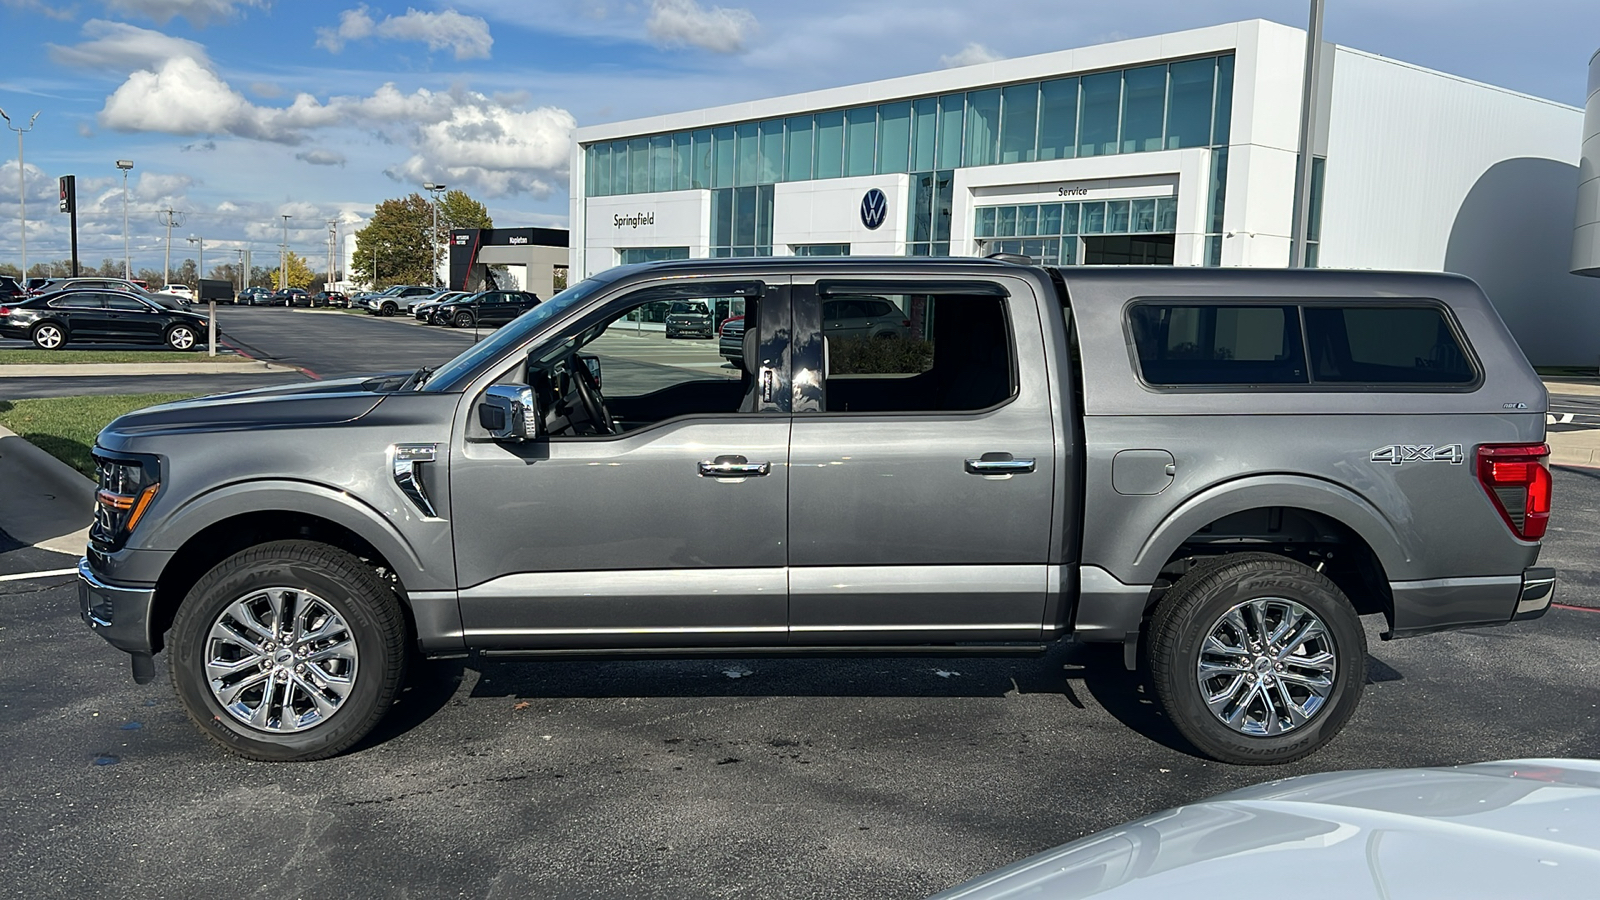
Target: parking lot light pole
(433,243)
(200,273)
(125,165)
(22,186)
(283,257)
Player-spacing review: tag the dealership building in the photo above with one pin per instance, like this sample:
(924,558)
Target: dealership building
(1178,149)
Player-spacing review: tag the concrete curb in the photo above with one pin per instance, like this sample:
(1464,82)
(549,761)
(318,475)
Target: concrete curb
(43,502)
(243,367)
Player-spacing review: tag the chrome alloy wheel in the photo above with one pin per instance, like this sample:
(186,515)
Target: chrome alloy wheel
(48,337)
(1267,667)
(181,338)
(280,659)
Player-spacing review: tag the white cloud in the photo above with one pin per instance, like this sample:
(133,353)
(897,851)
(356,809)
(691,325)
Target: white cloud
(460,136)
(53,10)
(200,13)
(467,36)
(971,55)
(687,23)
(354,24)
(125,48)
(321,157)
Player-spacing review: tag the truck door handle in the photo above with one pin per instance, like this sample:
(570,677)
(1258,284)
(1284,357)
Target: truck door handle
(999,464)
(732,467)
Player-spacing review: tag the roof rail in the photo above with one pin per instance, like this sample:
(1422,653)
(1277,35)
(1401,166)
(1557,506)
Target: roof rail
(1016,258)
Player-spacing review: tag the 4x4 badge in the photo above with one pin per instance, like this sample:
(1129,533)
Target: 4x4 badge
(1397,454)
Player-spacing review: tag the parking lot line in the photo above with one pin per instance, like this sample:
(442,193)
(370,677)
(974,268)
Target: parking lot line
(24,576)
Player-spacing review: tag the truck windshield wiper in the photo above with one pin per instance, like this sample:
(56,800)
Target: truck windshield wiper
(419,378)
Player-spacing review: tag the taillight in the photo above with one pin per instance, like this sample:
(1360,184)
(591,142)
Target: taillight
(1518,482)
(5,310)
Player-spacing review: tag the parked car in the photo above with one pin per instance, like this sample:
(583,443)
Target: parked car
(398,298)
(423,310)
(56,319)
(1217,470)
(865,317)
(254,296)
(36,284)
(10,287)
(730,340)
(181,291)
(491,308)
(291,297)
(95,283)
(691,317)
(330,298)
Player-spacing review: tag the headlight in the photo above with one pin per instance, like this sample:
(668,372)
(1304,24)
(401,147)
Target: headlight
(127,485)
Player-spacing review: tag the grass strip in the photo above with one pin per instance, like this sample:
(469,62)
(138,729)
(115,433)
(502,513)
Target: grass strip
(65,427)
(75,357)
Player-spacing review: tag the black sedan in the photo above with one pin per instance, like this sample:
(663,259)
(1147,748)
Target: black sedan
(492,308)
(52,321)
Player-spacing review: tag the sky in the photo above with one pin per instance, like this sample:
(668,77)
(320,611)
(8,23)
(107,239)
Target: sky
(238,112)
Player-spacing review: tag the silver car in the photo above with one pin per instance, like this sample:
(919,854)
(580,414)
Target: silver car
(1520,828)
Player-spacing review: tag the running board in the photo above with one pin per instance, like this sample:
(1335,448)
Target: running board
(642,653)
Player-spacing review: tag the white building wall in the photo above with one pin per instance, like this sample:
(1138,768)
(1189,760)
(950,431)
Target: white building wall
(829,212)
(1586,233)
(664,219)
(1428,171)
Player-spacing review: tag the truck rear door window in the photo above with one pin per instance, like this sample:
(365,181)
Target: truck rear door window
(1218,344)
(894,352)
(1385,345)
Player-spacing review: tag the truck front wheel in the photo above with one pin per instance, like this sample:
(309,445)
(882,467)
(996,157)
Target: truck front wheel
(1257,659)
(291,650)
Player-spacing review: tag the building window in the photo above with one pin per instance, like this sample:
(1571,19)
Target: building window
(627,256)
(933,194)
(1050,233)
(741,221)
(1164,106)
(820,249)
(1314,212)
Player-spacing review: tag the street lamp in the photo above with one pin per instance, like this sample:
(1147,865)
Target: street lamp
(435,189)
(283,256)
(22,191)
(200,270)
(125,165)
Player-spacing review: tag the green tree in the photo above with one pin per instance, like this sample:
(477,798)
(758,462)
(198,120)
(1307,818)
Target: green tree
(393,248)
(457,210)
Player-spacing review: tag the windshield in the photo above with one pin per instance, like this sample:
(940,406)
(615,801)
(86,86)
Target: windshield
(513,334)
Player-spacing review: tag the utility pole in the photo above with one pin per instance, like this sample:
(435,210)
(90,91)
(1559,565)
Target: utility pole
(200,270)
(244,276)
(433,242)
(1300,227)
(169,219)
(333,232)
(125,165)
(22,186)
(283,256)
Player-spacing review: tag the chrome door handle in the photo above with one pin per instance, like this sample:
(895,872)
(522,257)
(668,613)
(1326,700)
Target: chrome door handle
(732,467)
(999,464)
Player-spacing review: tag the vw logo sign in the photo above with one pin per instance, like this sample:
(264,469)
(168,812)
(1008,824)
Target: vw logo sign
(874,209)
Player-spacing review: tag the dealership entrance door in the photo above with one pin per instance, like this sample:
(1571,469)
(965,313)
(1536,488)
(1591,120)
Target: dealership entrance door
(1128,249)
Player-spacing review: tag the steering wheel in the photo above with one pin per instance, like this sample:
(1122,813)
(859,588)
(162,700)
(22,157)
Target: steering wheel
(588,391)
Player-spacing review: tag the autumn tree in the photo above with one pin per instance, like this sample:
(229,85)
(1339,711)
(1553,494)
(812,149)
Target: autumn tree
(300,274)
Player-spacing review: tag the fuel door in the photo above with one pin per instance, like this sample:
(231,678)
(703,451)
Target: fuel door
(1141,472)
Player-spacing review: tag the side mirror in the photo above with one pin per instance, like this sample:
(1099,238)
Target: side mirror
(510,412)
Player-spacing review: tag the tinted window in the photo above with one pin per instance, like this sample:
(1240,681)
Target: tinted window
(939,353)
(1384,345)
(78,301)
(126,303)
(1241,345)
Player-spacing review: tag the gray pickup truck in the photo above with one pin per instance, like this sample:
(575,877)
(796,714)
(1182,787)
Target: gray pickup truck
(1220,470)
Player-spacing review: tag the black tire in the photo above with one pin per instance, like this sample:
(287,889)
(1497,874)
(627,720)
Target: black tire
(327,579)
(463,320)
(49,336)
(182,337)
(386,310)
(1197,608)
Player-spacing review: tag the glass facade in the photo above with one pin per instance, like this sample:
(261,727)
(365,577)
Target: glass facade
(1049,232)
(627,256)
(741,221)
(820,249)
(1145,108)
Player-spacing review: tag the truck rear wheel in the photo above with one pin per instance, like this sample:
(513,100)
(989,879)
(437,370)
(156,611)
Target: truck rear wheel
(292,650)
(1257,659)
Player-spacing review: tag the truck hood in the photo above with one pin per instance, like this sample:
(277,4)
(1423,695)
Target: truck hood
(319,403)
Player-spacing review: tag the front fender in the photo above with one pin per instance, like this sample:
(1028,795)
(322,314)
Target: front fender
(410,566)
(1257,491)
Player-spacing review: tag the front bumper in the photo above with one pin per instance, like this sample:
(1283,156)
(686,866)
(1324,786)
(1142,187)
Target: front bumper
(119,614)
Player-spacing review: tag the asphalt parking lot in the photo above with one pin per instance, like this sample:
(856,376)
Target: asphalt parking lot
(796,778)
